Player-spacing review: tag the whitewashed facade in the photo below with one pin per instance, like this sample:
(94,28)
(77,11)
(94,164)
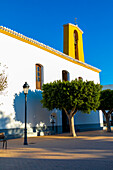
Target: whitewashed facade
(20,55)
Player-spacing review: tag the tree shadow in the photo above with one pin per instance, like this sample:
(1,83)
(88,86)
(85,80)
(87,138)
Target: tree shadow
(35,112)
(4,120)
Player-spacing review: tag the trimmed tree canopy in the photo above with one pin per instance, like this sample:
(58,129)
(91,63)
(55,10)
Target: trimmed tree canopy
(71,96)
(106,100)
(106,105)
(76,94)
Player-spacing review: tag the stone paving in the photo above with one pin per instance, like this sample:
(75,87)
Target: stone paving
(91,150)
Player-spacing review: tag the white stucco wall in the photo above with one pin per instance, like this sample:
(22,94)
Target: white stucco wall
(92,118)
(20,58)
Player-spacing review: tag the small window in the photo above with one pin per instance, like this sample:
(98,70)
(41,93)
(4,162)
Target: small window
(38,76)
(65,75)
(80,78)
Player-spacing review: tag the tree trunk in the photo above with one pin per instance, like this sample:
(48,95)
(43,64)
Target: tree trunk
(71,124)
(70,116)
(108,123)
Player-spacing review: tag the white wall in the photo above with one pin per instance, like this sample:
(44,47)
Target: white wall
(20,58)
(92,118)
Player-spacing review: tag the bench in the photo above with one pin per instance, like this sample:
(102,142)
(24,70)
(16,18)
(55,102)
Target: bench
(4,140)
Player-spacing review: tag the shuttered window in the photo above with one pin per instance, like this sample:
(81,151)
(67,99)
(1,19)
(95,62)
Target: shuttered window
(65,75)
(38,76)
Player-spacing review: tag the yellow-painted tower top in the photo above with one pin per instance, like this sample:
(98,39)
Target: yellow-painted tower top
(73,43)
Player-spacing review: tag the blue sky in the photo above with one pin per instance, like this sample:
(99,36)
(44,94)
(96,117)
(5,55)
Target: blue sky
(43,20)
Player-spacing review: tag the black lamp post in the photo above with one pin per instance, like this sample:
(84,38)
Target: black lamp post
(25,88)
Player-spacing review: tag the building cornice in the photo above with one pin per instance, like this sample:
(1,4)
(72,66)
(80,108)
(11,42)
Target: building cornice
(42,46)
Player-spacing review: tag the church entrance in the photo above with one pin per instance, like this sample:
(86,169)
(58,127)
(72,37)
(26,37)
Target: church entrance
(65,122)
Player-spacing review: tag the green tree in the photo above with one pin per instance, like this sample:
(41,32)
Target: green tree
(3,80)
(71,96)
(106,105)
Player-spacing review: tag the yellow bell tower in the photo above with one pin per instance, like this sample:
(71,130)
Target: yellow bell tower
(73,43)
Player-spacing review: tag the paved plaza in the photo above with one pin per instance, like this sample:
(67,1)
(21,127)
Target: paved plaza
(91,150)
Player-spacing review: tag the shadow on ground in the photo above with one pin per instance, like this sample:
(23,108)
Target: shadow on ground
(50,164)
(89,151)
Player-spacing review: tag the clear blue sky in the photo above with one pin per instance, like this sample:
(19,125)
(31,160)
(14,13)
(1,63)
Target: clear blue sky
(43,20)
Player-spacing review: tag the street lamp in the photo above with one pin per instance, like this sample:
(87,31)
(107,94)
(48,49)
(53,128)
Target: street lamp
(25,88)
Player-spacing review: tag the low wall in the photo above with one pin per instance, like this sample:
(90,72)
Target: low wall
(18,132)
(13,133)
(88,127)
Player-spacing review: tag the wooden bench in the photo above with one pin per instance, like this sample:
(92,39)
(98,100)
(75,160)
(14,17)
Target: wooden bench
(3,139)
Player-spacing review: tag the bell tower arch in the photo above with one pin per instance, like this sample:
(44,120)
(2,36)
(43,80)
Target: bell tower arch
(73,42)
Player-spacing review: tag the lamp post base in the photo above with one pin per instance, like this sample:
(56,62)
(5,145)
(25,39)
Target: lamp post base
(25,135)
(25,143)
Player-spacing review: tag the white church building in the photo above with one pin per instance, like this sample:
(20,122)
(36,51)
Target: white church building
(30,61)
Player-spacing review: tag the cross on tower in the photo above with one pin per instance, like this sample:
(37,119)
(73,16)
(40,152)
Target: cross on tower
(75,21)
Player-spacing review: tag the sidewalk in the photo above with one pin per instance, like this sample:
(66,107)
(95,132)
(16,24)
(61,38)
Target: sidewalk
(88,151)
